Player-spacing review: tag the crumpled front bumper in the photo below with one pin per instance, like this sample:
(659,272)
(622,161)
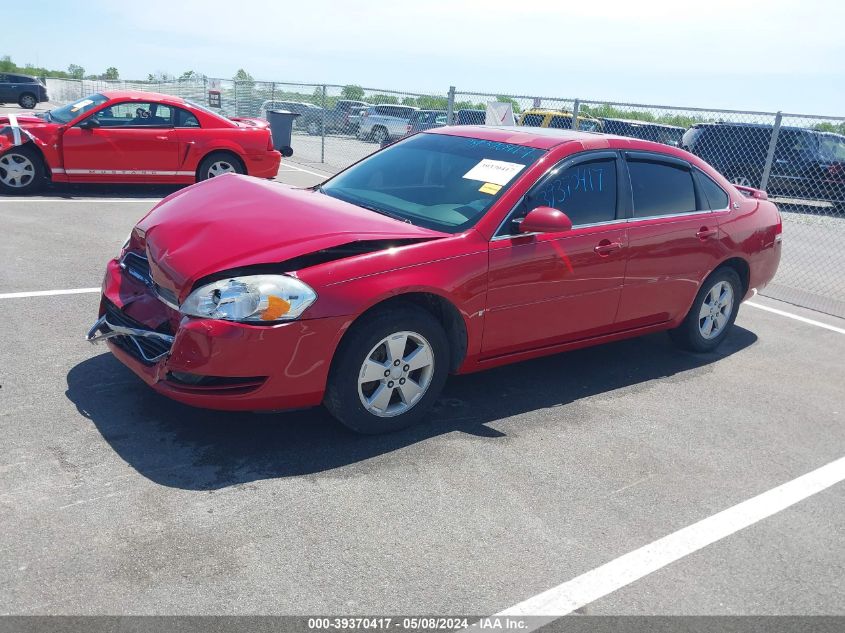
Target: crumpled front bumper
(248,367)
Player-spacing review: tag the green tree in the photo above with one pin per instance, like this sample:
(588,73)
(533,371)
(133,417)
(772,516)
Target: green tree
(243,76)
(352,92)
(76,71)
(384,99)
(7,65)
(160,76)
(111,74)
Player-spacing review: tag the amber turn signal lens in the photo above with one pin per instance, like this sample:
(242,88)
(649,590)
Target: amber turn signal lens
(276,308)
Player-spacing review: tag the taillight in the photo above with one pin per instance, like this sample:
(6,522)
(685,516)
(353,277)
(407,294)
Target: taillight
(270,147)
(835,171)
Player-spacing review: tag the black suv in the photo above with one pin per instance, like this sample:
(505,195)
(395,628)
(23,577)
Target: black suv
(24,90)
(806,163)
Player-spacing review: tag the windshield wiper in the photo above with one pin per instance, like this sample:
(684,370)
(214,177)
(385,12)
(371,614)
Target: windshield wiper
(395,216)
(368,207)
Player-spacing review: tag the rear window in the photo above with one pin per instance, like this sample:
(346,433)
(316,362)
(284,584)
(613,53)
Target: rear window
(561,122)
(660,189)
(533,120)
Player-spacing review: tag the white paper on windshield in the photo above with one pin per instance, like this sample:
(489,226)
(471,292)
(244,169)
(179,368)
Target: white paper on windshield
(81,104)
(498,172)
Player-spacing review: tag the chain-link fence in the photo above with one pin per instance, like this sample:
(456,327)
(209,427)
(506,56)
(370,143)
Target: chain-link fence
(798,159)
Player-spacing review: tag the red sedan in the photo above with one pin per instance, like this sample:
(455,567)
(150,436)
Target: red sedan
(131,137)
(452,251)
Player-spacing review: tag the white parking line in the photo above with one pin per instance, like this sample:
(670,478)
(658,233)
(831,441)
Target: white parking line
(618,573)
(789,315)
(313,173)
(48,293)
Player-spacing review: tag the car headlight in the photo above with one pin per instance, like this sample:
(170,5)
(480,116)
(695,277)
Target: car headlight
(253,298)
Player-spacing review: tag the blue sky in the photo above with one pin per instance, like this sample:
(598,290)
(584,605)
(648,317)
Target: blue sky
(742,54)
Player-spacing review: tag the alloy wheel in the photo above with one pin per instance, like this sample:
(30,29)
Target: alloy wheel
(395,374)
(28,101)
(379,135)
(742,181)
(220,167)
(716,310)
(16,170)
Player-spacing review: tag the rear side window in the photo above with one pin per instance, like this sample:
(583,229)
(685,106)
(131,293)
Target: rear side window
(660,188)
(713,196)
(185,118)
(586,192)
(561,122)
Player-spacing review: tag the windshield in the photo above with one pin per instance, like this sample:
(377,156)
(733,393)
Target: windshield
(441,182)
(833,147)
(69,112)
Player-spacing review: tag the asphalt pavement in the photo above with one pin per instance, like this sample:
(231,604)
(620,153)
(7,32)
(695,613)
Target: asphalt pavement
(114,500)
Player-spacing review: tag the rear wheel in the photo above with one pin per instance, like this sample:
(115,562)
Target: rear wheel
(21,170)
(388,371)
(712,313)
(219,163)
(27,100)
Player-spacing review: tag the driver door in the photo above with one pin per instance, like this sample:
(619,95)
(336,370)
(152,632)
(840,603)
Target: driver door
(130,141)
(551,288)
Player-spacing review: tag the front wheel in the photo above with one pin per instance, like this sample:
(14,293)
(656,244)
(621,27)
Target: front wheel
(219,163)
(712,313)
(21,171)
(28,101)
(388,371)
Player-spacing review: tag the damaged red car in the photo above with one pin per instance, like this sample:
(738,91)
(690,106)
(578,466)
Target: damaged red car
(130,137)
(452,251)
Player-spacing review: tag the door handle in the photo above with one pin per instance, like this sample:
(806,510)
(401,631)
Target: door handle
(705,233)
(163,138)
(606,247)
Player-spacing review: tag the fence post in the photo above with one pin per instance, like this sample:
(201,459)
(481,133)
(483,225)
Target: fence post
(323,129)
(576,105)
(450,106)
(770,155)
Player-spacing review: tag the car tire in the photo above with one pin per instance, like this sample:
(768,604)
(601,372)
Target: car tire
(21,170)
(314,128)
(712,314)
(379,135)
(383,405)
(219,163)
(27,101)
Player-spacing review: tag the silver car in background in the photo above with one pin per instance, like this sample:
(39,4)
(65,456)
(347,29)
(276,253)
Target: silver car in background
(384,122)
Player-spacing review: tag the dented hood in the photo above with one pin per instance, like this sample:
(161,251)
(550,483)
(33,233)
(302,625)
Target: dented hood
(235,221)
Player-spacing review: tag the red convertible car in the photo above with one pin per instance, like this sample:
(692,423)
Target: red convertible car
(454,250)
(130,137)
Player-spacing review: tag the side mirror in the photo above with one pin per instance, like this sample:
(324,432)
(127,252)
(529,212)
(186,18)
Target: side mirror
(545,220)
(89,124)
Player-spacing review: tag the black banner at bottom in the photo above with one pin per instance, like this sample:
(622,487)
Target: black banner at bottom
(517,624)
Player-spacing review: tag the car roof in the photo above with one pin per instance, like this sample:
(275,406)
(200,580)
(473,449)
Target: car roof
(141,94)
(540,137)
